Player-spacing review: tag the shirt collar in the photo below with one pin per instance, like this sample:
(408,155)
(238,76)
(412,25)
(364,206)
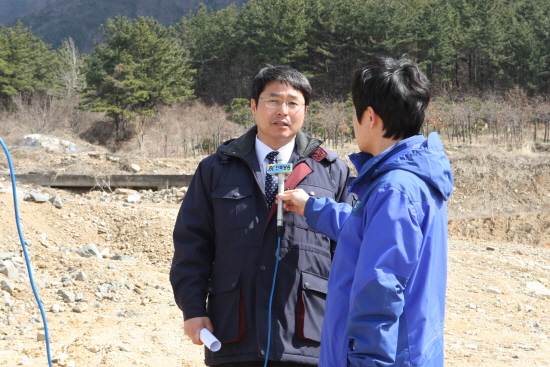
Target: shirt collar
(284,152)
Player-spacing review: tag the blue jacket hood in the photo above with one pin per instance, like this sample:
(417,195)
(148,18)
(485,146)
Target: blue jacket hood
(424,157)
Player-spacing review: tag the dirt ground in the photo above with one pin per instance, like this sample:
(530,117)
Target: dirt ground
(107,312)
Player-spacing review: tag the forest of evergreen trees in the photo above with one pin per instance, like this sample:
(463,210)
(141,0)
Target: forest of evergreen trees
(475,52)
(469,44)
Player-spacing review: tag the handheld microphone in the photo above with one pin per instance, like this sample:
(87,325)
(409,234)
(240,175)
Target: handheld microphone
(282,170)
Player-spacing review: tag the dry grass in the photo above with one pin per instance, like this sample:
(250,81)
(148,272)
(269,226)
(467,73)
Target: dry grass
(495,175)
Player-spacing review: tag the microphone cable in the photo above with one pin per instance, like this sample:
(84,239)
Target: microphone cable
(281,169)
(271,301)
(27,259)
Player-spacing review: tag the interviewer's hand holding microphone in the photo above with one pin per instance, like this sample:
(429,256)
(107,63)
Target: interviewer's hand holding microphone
(294,200)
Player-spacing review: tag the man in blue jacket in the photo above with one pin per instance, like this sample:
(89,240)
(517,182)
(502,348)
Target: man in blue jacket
(386,292)
(225,237)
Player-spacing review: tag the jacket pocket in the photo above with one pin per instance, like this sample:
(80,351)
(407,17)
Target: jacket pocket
(231,207)
(311,306)
(226,307)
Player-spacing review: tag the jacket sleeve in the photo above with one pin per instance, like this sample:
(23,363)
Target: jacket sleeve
(326,216)
(342,194)
(193,246)
(389,253)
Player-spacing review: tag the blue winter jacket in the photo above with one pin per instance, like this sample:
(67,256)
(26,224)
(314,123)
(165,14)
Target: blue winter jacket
(386,291)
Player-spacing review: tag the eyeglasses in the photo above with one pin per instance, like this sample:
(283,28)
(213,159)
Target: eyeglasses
(276,103)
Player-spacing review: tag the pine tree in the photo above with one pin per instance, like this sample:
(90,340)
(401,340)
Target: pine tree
(139,69)
(6,89)
(274,32)
(214,45)
(26,63)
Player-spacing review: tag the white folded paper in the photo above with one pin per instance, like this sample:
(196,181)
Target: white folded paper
(210,340)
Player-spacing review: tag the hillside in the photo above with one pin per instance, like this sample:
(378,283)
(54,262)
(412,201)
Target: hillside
(55,20)
(11,10)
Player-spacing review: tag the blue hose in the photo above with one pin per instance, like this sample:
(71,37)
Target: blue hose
(27,259)
(271,301)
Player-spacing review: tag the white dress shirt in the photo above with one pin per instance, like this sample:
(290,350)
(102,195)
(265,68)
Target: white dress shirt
(263,150)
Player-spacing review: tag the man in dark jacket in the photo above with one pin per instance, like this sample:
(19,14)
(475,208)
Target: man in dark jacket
(227,254)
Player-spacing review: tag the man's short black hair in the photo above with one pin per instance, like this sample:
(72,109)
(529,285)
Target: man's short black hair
(396,90)
(284,74)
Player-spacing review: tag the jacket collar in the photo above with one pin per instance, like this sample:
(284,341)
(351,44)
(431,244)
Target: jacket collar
(368,166)
(363,162)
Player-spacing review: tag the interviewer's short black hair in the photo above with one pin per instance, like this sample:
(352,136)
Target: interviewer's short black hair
(396,90)
(284,74)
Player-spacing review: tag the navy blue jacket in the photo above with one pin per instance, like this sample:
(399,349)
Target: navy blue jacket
(225,240)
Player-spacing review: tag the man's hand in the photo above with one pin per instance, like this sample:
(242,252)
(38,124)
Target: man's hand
(294,200)
(192,328)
